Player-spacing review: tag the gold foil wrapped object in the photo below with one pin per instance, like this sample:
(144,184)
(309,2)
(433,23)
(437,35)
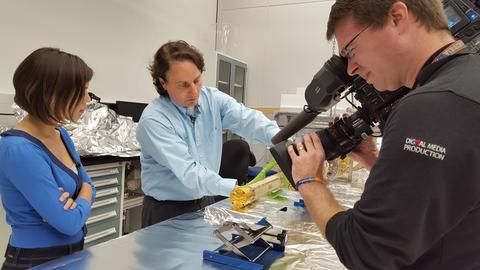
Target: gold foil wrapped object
(242,196)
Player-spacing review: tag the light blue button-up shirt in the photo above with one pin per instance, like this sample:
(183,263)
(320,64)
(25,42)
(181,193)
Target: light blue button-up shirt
(181,157)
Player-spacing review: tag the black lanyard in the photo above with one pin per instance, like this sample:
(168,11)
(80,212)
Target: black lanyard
(438,59)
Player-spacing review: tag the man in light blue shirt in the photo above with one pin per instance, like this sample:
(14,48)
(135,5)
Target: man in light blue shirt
(180,134)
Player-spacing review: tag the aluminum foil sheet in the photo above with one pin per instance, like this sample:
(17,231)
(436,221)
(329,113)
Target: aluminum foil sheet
(306,247)
(3,129)
(18,112)
(100,131)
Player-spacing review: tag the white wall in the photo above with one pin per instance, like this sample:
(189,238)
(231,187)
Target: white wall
(117,38)
(282,41)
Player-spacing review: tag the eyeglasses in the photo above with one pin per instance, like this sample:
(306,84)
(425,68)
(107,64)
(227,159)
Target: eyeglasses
(348,49)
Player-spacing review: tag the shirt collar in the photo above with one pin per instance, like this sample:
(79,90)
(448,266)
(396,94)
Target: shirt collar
(194,112)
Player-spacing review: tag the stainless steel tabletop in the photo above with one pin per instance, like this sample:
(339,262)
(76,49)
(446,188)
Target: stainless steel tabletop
(179,243)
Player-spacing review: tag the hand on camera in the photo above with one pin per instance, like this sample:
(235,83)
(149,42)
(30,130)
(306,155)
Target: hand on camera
(309,160)
(366,153)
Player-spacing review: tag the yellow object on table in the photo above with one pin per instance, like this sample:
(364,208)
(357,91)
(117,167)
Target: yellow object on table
(242,196)
(338,168)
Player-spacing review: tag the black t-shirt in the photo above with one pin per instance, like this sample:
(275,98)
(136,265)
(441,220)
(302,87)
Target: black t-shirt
(421,205)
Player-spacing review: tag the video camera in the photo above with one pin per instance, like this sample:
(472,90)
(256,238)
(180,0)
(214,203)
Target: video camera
(328,87)
(463,18)
(332,83)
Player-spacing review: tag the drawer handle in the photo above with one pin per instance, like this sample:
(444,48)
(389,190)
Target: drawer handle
(103,172)
(104,203)
(95,236)
(101,217)
(106,182)
(106,192)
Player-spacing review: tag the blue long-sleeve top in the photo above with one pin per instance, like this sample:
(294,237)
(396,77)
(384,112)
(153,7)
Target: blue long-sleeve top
(30,178)
(181,148)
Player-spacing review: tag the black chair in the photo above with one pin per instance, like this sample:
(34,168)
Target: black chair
(236,157)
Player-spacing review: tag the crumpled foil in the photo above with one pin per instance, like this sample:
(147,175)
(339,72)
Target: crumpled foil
(100,131)
(306,247)
(18,112)
(3,129)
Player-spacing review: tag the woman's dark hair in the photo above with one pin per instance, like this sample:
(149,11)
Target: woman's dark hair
(173,51)
(50,83)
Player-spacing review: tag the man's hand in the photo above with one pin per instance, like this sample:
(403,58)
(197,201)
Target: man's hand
(309,163)
(366,153)
(310,158)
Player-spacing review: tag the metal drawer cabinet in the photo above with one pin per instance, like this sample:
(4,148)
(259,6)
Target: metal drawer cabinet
(102,231)
(104,222)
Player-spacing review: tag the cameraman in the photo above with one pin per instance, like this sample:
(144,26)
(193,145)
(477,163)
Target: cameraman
(421,204)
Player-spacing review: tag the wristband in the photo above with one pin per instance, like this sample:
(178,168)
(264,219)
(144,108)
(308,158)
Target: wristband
(305,180)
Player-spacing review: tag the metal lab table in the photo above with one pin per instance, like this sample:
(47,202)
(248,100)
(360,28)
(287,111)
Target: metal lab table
(176,243)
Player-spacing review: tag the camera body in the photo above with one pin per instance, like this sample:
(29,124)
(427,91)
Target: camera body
(332,83)
(463,18)
(344,135)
